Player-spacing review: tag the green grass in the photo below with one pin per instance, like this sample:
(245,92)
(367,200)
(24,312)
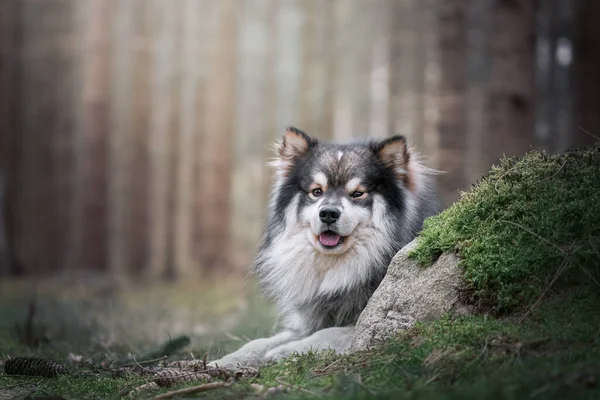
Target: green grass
(528,234)
(553,354)
(105,325)
(515,228)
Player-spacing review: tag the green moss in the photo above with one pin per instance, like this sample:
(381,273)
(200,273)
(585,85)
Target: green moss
(515,228)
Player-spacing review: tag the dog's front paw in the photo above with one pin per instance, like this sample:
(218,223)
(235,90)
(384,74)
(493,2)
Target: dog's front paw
(279,353)
(236,360)
(225,362)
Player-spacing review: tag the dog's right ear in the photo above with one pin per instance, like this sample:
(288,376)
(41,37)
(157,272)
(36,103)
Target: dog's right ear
(295,144)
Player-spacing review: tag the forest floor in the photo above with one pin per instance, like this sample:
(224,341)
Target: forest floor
(552,355)
(529,238)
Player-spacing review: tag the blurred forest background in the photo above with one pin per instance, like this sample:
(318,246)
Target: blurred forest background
(134,133)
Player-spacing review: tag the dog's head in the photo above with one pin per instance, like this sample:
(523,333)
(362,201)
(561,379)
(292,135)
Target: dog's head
(343,195)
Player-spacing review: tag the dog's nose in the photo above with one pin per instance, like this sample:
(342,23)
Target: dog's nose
(329,215)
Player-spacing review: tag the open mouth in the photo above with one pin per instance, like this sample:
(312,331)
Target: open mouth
(330,239)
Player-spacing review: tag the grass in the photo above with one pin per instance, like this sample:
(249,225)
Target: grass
(528,235)
(103,325)
(552,355)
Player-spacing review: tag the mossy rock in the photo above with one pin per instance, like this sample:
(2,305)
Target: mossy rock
(530,225)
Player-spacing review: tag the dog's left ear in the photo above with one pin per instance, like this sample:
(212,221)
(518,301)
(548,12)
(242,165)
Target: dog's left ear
(393,152)
(295,144)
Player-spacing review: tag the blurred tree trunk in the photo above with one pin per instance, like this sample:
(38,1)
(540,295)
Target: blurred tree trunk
(139,219)
(9,97)
(554,125)
(290,22)
(35,204)
(511,89)
(208,29)
(88,177)
(379,69)
(545,129)
(273,132)
(346,77)
(120,141)
(429,56)
(92,188)
(407,70)
(562,94)
(174,120)
(587,71)
(360,48)
(478,75)
(65,143)
(164,20)
(191,71)
(316,75)
(452,19)
(250,127)
(215,212)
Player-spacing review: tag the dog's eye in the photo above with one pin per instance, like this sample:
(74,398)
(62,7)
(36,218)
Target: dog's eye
(317,192)
(357,194)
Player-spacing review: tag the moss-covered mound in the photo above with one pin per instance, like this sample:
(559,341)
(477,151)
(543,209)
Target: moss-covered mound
(530,224)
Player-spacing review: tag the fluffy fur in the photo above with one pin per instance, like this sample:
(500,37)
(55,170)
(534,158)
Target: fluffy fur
(338,214)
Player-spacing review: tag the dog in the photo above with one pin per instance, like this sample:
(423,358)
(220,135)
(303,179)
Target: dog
(337,216)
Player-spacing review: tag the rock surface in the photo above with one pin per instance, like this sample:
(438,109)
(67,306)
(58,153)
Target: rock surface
(410,293)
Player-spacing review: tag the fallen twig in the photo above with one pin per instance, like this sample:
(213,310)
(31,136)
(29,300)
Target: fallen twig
(360,383)
(594,136)
(191,390)
(556,173)
(140,363)
(559,271)
(129,391)
(534,234)
(289,385)
(502,176)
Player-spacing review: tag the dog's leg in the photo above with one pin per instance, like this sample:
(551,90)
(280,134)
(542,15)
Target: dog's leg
(338,339)
(253,353)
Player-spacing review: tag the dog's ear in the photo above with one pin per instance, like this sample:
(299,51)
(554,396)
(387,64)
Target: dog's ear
(394,154)
(295,144)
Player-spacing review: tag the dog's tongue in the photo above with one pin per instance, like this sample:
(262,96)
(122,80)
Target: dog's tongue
(329,239)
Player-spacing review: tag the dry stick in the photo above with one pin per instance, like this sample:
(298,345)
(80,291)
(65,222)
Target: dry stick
(278,380)
(589,275)
(502,176)
(534,234)
(130,390)
(327,367)
(595,137)
(140,363)
(556,173)
(559,271)
(191,390)
(598,255)
(360,383)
